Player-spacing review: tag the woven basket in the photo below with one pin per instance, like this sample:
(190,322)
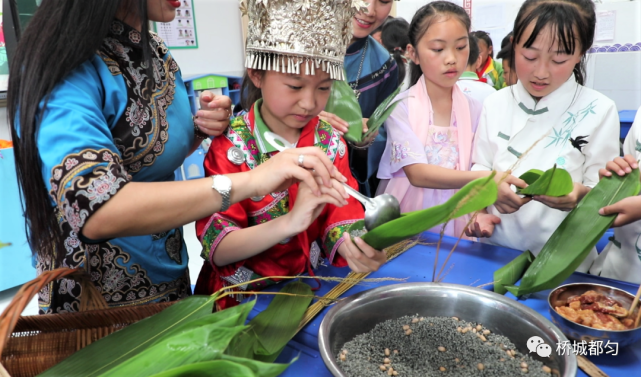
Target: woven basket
(30,345)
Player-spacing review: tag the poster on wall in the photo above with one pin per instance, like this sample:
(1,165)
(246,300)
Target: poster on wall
(4,62)
(181,32)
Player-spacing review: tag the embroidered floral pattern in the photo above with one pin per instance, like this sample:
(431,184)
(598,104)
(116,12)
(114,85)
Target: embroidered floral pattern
(442,147)
(141,133)
(216,229)
(276,209)
(333,237)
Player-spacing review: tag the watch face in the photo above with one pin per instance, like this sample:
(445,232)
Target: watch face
(223,183)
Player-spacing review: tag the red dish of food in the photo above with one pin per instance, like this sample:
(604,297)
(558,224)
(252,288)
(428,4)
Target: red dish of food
(597,311)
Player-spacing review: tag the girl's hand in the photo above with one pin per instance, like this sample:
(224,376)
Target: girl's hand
(508,201)
(213,116)
(370,139)
(309,206)
(339,125)
(621,166)
(283,170)
(628,210)
(360,256)
(483,225)
(566,202)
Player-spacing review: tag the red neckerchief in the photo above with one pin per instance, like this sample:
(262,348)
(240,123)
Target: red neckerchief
(480,72)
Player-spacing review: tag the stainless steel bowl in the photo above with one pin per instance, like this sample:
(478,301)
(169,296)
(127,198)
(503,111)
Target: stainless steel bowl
(359,314)
(575,331)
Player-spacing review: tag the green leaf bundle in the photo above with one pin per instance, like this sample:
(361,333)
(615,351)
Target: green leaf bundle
(573,240)
(474,196)
(512,272)
(274,327)
(343,103)
(553,182)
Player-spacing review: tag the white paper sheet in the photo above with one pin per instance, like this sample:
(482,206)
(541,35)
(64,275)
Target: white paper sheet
(605,24)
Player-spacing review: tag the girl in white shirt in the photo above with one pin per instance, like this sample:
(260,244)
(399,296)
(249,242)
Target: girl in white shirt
(547,118)
(621,258)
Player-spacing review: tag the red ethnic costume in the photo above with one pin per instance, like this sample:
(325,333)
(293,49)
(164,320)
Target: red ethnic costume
(243,148)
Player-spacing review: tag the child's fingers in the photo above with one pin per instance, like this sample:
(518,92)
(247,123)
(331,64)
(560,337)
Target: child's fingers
(611,209)
(512,180)
(604,173)
(631,160)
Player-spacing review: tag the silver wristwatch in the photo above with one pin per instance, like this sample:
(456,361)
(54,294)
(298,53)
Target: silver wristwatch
(222,184)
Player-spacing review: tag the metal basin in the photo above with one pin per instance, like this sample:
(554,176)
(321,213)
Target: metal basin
(359,314)
(575,331)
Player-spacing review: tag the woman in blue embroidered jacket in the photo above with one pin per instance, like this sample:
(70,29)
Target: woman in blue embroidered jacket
(98,108)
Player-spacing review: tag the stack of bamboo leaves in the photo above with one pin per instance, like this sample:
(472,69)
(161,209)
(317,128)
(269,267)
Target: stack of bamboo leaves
(186,339)
(570,243)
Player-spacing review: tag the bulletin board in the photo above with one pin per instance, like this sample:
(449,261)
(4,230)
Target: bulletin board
(181,32)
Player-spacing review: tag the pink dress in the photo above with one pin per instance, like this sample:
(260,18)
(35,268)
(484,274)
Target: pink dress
(440,148)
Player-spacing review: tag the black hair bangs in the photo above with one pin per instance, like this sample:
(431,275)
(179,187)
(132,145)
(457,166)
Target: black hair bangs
(560,19)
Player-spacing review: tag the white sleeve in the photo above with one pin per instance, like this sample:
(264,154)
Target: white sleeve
(482,153)
(602,146)
(632,143)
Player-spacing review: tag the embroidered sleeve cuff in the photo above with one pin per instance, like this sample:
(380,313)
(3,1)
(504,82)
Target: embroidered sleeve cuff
(215,230)
(333,238)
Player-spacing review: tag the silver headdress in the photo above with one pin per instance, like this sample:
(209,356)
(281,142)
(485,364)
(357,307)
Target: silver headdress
(291,35)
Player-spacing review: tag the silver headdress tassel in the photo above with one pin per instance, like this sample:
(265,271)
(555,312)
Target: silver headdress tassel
(299,36)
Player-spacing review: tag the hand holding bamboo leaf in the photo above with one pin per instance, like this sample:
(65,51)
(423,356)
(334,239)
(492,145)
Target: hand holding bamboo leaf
(507,201)
(566,202)
(360,256)
(620,165)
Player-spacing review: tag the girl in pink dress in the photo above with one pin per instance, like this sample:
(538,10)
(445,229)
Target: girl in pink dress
(430,132)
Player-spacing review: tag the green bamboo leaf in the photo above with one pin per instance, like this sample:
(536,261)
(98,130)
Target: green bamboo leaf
(573,240)
(130,341)
(218,368)
(382,112)
(554,182)
(202,343)
(343,103)
(274,327)
(511,272)
(474,196)
(259,368)
(531,176)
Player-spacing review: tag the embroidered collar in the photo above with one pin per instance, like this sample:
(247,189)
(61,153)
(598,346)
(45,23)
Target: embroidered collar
(355,47)
(131,37)
(560,98)
(469,75)
(258,128)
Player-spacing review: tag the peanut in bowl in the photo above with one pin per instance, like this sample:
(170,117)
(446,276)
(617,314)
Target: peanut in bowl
(594,312)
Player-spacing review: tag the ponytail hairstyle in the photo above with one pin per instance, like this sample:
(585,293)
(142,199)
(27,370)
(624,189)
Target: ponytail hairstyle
(422,20)
(61,36)
(395,39)
(572,21)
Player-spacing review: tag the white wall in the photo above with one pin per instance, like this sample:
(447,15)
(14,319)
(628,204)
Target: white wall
(615,74)
(4,125)
(220,44)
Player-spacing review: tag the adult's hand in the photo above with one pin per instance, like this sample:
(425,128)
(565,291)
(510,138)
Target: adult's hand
(283,170)
(213,116)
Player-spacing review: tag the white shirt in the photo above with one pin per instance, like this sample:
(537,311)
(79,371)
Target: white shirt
(512,123)
(621,258)
(475,89)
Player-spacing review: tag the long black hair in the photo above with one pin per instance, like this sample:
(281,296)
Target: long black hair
(422,20)
(571,20)
(474,50)
(395,39)
(60,37)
